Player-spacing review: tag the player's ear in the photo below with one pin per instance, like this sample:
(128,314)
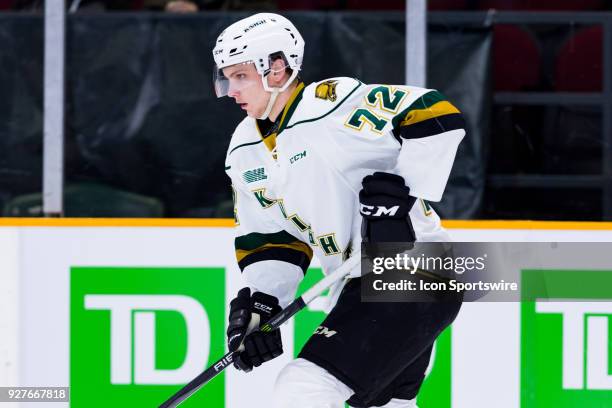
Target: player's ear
(278,72)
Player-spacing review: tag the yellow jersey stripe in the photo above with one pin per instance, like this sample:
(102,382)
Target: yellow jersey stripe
(297,245)
(419,115)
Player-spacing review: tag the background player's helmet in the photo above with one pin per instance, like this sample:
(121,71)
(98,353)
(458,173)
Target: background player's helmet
(258,39)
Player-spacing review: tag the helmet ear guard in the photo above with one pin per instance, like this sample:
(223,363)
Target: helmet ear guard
(274,91)
(278,56)
(293,72)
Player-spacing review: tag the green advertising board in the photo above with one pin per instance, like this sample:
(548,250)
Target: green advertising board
(129,329)
(566,339)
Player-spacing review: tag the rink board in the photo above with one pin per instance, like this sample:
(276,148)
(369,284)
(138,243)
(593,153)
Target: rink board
(124,311)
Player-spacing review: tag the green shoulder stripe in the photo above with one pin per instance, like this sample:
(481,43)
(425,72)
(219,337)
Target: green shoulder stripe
(424,102)
(243,145)
(255,240)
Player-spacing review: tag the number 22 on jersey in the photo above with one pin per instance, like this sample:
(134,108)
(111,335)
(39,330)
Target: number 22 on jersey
(382,98)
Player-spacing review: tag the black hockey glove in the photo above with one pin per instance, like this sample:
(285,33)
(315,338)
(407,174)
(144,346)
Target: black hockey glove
(385,205)
(256,348)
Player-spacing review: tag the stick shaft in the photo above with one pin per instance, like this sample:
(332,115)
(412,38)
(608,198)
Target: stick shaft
(207,375)
(340,272)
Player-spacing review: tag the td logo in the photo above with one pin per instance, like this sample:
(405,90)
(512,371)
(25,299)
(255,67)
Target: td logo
(577,353)
(127,314)
(138,334)
(566,339)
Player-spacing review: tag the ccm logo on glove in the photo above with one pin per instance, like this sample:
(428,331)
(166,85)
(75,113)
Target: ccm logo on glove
(262,308)
(385,204)
(380,210)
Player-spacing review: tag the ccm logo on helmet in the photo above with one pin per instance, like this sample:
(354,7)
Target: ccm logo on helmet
(378,211)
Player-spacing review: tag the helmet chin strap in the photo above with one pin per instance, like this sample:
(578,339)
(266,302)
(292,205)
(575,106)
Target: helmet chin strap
(275,92)
(273,95)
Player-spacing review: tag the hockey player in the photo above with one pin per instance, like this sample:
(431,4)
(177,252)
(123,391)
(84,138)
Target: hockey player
(303,163)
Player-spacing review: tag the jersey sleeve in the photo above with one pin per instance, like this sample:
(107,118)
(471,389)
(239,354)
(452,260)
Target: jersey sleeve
(271,260)
(410,131)
(429,130)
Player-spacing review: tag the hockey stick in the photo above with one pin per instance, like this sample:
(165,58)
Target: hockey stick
(273,324)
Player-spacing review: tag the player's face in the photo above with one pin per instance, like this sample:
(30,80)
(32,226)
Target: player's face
(246,88)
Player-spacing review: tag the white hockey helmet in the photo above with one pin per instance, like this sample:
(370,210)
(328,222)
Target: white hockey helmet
(256,39)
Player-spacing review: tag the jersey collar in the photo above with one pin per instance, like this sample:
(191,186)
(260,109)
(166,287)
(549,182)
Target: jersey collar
(291,105)
(269,138)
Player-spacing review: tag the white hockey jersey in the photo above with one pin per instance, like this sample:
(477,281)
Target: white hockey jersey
(296,190)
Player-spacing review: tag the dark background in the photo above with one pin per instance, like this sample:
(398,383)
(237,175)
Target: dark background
(145,135)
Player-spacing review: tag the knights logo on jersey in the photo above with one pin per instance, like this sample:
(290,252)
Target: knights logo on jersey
(327,90)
